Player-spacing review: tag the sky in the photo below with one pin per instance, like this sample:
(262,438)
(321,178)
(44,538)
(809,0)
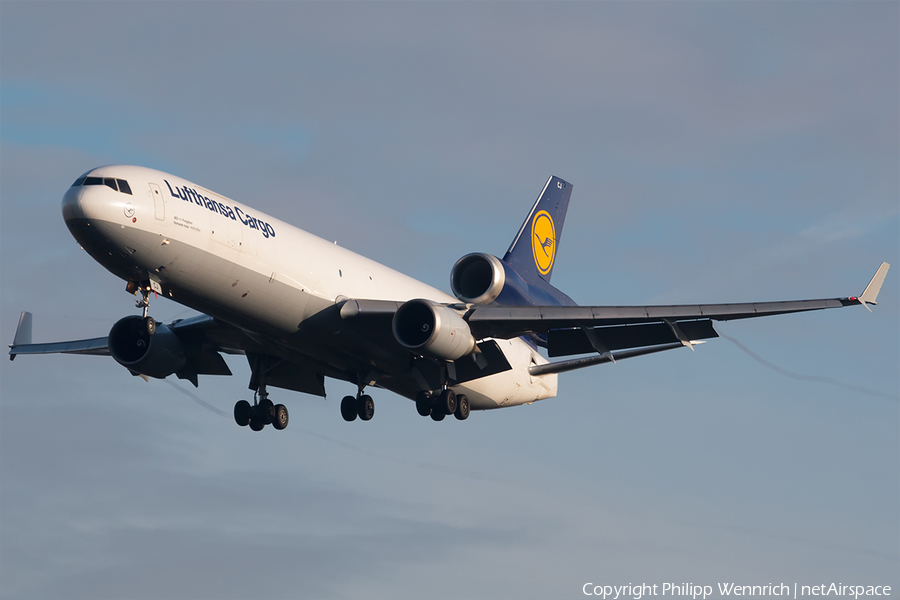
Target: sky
(719,152)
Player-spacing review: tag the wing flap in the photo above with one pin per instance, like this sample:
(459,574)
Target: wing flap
(565,342)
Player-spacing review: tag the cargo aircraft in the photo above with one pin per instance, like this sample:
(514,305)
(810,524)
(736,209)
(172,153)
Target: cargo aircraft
(302,309)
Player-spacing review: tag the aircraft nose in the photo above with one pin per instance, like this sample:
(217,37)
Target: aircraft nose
(92,202)
(71,204)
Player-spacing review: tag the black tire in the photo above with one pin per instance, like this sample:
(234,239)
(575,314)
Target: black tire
(462,407)
(423,404)
(242,413)
(437,415)
(447,402)
(348,408)
(280,417)
(149,325)
(256,425)
(366,407)
(265,411)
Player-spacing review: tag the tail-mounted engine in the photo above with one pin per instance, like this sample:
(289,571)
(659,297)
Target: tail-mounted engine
(146,347)
(477,278)
(482,279)
(432,330)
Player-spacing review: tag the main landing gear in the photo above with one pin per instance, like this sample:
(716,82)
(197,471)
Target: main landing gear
(361,406)
(439,405)
(261,413)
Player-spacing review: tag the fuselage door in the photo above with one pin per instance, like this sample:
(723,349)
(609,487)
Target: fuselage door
(159,204)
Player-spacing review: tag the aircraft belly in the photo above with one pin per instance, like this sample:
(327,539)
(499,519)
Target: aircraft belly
(513,387)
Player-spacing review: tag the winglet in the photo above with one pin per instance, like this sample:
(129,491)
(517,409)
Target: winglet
(870,294)
(23,333)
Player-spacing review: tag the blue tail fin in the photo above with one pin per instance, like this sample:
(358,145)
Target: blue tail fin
(533,252)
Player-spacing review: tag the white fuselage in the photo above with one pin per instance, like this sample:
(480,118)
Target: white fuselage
(257,272)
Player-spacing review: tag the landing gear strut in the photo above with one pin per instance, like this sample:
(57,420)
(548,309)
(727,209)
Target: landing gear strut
(144,303)
(144,288)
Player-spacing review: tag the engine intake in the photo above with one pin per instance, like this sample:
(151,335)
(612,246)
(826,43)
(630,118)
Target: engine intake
(485,279)
(477,278)
(154,351)
(432,330)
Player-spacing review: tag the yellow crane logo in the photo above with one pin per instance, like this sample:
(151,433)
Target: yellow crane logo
(543,241)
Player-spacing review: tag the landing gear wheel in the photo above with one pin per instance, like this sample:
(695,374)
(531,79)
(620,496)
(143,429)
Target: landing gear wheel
(447,402)
(280,417)
(265,411)
(149,325)
(242,413)
(366,407)
(423,404)
(437,415)
(255,425)
(462,407)
(348,408)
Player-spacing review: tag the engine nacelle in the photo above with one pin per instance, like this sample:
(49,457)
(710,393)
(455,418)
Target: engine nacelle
(483,279)
(152,351)
(432,330)
(477,278)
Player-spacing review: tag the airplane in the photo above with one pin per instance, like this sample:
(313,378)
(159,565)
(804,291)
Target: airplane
(302,309)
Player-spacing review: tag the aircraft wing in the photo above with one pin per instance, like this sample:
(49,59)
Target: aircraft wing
(202,326)
(568,330)
(512,321)
(22,343)
(582,329)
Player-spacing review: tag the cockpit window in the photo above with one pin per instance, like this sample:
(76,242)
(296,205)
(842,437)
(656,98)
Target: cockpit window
(124,187)
(120,185)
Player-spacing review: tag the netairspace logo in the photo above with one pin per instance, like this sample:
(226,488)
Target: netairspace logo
(690,590)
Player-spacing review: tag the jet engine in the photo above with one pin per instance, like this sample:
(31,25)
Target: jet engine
(484,279)
(477,278)
(146,347)
(432,330)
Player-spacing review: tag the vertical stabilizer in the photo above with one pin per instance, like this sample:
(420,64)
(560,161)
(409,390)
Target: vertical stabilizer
(533,251)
